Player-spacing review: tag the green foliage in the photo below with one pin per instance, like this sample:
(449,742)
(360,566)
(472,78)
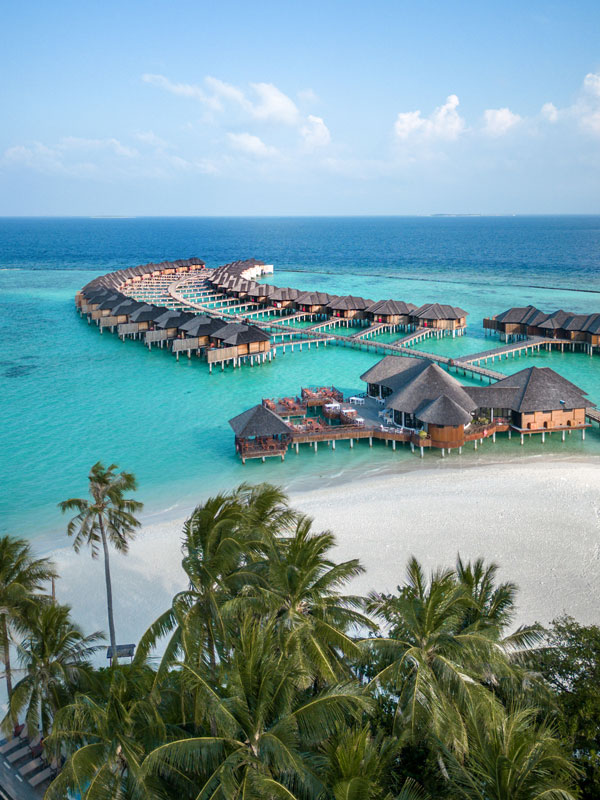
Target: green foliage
(571,665)
(276,681)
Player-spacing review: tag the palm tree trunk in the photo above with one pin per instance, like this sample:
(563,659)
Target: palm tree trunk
(6,655)
(109,600)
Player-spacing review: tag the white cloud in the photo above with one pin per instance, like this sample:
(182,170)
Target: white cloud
(274,105)
(181,89)
(102,159)
(251,145)
(444,123)
(498,121)
(81,144)
(268,103)
(588,106)
(315,133)
(150,138)
(308,96)
(591,83)
(550,112)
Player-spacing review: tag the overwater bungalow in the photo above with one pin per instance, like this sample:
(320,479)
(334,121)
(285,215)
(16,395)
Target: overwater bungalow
(314,302)
(529,321)
(390,312)
(241,340)
(440,316)
(260,433)
(284,297)
(349,307)
(145,316)
(170,321)
(536,400)
(200,327)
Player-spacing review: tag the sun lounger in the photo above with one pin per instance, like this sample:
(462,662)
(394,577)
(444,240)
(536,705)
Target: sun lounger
(27,749)
(36,763)
(15,741)
(42,776)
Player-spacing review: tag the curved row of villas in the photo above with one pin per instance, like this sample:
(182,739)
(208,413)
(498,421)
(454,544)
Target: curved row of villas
(530,321)
(419,403)
(235,281)
(105,300)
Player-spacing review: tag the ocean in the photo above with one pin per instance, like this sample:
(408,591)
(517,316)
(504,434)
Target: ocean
(70,397)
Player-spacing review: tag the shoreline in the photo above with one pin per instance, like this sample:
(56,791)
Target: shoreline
(516,515)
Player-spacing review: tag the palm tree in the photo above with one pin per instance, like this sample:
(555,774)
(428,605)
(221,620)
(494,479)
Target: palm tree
(265,725)
(221,540)
(430,660)
(107,518)
(357,765)
(510,757)
(214,560)
(299,588)
(21,576)
(105,738)
(54,656)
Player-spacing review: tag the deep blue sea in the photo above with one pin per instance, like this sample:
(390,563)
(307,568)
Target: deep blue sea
(69,396)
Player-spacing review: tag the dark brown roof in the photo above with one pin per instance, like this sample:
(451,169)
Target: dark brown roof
(388,367)
(414,386)
(442,411)
(391,307)
(314,298)
(543,389)
(258,421)
(349,303)
(438,311)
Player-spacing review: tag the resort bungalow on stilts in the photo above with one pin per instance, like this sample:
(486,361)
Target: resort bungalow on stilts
(349,308)
(516,323)
(236,340)
(314,302)
(260,433)
(284,297)
(444,318)
(391,312)
(140,320)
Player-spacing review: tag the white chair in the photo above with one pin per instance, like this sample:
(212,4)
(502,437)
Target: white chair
(39,777)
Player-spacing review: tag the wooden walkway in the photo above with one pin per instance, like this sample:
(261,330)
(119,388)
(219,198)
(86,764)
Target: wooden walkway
(381,348)
(593,414)
(533,344)
(415,336)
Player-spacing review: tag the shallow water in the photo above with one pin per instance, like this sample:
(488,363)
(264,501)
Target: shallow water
(70,396)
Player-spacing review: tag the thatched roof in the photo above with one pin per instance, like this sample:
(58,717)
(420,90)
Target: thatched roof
(543,389)
(281,294)
(112,301)
(390,366)
(236,333)
(413,387)
(314,298)
(258,421)
(391,308)
(201,325)
(146,313)
(172,319)
(438,311)
(127,307)
(349,303)
(442,411)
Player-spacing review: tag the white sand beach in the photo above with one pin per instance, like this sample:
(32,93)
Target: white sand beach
(540,521)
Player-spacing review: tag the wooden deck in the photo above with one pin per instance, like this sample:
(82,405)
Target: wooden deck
(533,344)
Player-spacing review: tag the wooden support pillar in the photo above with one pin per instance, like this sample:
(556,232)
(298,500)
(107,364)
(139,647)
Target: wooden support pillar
(522,438)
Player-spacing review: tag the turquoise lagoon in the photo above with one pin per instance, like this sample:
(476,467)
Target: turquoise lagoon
(70,396)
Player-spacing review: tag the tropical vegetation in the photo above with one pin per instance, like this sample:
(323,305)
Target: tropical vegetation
(270,677)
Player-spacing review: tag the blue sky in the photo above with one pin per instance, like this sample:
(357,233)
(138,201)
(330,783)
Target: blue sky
(240,108)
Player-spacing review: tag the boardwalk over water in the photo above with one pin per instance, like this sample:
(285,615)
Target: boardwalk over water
(532,344)
(381,348)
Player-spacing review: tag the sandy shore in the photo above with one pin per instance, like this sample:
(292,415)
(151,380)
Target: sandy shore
(540,521)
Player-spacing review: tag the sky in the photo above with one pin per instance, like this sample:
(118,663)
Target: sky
(299,108)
